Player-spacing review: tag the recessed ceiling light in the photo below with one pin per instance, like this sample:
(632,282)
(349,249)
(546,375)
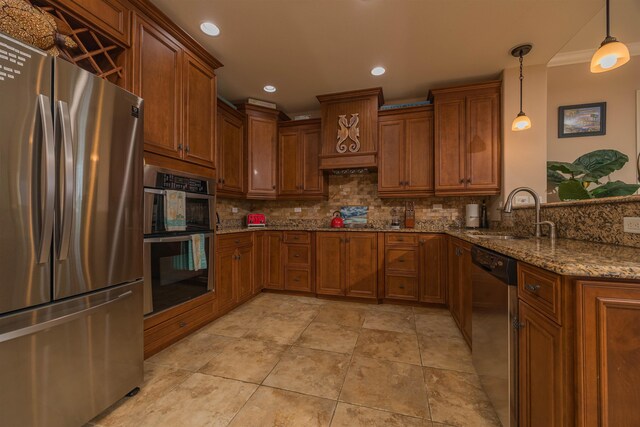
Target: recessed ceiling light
(378,71)
(210,29)
(269,88)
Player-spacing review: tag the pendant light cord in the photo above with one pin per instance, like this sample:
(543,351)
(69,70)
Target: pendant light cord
(608,21)
(521,78)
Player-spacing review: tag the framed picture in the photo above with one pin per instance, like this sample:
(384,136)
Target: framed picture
(582,120)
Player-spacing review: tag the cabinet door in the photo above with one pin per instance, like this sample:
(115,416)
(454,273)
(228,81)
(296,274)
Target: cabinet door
(157,77)
(433,268)
(453,280)
(419,153)
(274,270)
(483,139)
(540,379)
(391,161)
(608,354)
(245,266)
(466,294)
(262,157)
(225,277)
(110,16)
(362,265)
(290,159)
(199,92)
(450,145)
(330,257)
(258,262)
(231,170)
(313,180)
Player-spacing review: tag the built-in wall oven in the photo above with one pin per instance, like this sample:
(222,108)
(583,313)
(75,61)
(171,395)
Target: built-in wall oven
(170,277)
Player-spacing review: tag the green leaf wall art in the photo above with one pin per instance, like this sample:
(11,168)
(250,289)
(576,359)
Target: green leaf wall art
(573,181)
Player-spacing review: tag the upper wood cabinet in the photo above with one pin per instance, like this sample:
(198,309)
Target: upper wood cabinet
(231,159)
(261,134)
(299,175)
(179,89)
(405,159)
(350,129)
(110,16)
(467,139)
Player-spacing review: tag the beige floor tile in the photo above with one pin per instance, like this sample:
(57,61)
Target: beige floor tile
(129,411)
(190,353)
(445,352)
(391,386)
(436,311)
(245,360)
(388,345)
(230,325)
(391,308)
(330,337)
(314,372)
(436,324)
(201,400)
(352,416)
(270,407)
(278,330)
(457,398)
(341,315)
(389,321)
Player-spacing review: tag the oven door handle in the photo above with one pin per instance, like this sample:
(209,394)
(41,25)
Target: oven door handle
(171,239)
(188,195)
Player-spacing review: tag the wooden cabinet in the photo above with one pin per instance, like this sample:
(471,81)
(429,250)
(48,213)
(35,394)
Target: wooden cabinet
(433,268)
(467,139)
(459,282)
(258,261)
(401,267)
(300,176)
(234,270)
(405,156)
(350,129)
(608,353)
(110,16)
(261,135)
(231,159)
(347,264)
(540,364)
(273,264)
(179,90)
(297,254)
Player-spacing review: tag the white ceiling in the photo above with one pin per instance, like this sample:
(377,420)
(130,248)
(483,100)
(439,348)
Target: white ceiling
(311,47)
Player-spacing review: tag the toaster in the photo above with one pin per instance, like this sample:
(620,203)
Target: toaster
(256,220)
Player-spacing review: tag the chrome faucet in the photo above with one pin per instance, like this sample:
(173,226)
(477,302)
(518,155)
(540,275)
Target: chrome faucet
(508,205)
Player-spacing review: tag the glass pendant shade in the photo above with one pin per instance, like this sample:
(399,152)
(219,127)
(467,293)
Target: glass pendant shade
(611,55)
(521,122)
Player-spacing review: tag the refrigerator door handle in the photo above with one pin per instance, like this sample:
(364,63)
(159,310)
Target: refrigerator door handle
(48,170)
(69,179)
(30,330)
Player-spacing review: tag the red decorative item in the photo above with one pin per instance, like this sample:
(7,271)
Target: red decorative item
(256,220)
(337,221)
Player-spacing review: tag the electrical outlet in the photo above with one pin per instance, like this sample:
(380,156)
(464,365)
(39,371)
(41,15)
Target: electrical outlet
(234,210)
(437,207)
(523,200)
(632,224)
(297,210)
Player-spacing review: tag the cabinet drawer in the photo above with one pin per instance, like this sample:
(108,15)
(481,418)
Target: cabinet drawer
(401,239)
(297,279)
(298,254)
(402,260)
(400,287)
(234,240)
(541,289)
(297,237)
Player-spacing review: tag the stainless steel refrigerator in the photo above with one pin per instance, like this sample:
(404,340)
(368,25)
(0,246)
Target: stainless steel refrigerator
(71,240)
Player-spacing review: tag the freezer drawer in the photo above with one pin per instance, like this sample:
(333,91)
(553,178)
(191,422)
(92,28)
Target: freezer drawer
(65,363)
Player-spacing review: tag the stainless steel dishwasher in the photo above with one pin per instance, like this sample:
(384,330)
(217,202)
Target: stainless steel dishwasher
(495,306)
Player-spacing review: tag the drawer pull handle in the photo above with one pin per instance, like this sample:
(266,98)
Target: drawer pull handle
(532,288)
(183,324)
(400,259)
(401,286)
(236,241)
(296,256)
(297,279)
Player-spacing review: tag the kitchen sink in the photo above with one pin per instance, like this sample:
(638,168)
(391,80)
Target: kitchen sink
(494,236)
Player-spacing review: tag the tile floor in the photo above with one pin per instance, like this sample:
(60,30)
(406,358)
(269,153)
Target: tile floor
(283,361)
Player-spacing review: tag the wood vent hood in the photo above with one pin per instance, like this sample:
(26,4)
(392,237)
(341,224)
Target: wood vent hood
(350,129)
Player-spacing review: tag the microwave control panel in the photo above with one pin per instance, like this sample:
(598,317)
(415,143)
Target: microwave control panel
(181,183)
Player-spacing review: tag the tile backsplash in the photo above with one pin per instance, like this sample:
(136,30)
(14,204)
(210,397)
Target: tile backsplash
(349,190)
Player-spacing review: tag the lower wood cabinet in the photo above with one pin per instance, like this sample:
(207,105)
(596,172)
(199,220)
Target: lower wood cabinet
(234,270)
(433,268)
(347,264)
(297,261)
(258,261)
(273,266)
(459,282)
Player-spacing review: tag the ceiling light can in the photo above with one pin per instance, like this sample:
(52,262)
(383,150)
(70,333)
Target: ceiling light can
(210,29)
(378,71)
(269,88)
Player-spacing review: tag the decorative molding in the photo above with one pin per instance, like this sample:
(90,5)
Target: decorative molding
(582,56)
(348,130)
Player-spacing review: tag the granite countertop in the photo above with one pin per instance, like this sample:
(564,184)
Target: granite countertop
(566,256)
(563,256)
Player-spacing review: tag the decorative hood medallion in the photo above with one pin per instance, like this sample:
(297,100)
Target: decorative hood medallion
(348,130)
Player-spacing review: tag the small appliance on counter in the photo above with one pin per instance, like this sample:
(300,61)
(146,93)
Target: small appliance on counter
(472,217)
(395,219)
(256,220)
(337,221)
(410,215)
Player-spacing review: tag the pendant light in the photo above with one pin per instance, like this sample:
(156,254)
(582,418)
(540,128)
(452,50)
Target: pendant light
(521,122)
(611,54)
